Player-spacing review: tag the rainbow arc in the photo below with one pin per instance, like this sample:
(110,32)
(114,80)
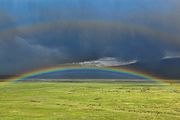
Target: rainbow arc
(51,70)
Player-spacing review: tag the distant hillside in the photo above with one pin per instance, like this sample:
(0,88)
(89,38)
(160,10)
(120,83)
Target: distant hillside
(166,68)
(6,76)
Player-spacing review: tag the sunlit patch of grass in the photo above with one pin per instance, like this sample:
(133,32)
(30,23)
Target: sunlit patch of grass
(89,101)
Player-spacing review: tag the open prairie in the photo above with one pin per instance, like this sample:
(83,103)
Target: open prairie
(89,101)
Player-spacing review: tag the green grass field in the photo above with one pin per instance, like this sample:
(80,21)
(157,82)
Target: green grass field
(89,101)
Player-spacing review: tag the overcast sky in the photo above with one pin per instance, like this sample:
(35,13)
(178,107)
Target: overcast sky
(43,33)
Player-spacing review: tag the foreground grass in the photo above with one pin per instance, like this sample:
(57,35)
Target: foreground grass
(89,101)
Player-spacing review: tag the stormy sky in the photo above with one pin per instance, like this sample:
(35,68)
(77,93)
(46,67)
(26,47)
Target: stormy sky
(43,33)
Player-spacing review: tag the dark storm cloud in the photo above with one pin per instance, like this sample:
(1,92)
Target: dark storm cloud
(18,55)
(39,34)
(92,40)
(47,44)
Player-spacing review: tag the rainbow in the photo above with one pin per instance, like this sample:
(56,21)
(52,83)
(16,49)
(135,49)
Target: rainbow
(50,70)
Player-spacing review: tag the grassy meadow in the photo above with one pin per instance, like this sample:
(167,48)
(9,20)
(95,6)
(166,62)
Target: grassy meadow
(89,101)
